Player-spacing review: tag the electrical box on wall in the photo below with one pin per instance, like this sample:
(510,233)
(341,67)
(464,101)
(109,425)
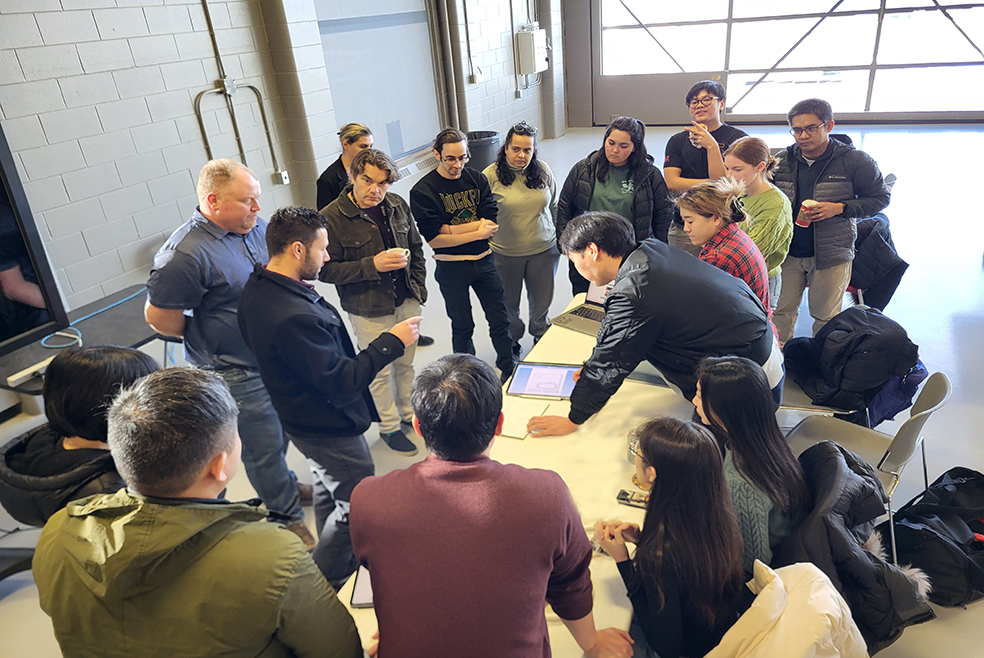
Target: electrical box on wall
(532,47)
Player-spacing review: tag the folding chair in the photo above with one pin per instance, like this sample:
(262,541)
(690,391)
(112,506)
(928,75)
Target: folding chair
(888,454)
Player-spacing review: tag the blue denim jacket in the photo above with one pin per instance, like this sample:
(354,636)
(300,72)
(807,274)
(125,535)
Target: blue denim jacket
(353,240)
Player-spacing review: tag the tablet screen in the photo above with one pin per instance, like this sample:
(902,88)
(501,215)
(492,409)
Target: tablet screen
(542,380)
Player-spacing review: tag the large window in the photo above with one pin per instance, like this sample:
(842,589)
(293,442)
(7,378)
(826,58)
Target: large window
(864,56)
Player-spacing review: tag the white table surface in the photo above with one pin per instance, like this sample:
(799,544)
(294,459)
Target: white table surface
(592,461)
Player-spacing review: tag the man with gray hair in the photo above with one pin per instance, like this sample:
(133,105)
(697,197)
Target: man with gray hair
(193,291)
(377,265)
(122,574)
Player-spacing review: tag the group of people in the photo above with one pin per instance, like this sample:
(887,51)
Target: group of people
(273,363)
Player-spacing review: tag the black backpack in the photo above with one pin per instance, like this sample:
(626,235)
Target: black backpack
(941,531)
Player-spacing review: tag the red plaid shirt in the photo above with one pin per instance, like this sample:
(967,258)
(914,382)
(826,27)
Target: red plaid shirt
(734,252)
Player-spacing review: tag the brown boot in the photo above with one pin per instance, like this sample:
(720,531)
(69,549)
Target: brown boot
(307,494)
(301,530)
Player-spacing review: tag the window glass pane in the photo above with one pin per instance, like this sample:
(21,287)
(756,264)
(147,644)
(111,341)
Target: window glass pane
(648,11)
(759,45)
(938,89)
(844,90)
(633,51)
(905,4)
(749,8)
(971,21)
(854,36)
(922,37)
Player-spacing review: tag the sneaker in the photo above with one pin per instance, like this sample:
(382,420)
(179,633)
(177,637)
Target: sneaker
(300,529)
(505,375)
(424,341)
(517,350)
(306,492)
(398,442)
(890,181)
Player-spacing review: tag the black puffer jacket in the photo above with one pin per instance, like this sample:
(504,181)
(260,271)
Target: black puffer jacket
(651,207)
(850,358)
(847,499)
(33,499)
(877,267)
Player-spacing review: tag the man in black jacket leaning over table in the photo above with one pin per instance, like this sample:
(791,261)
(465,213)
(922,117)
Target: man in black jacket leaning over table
(664,306)
(318,384)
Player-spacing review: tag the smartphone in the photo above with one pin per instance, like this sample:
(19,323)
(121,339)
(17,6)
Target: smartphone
(632,498)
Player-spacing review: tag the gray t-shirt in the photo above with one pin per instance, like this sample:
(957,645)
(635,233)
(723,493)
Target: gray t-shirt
(202,268)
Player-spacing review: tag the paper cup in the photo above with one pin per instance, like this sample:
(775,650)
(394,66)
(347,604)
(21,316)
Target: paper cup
(806,206)
(399,250)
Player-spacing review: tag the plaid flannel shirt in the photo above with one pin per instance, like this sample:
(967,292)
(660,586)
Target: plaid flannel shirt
(734,252)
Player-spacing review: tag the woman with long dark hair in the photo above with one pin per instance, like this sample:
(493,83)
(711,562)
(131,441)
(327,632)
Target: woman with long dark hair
(525,246)
(764,478)
(621,178)
(685,582)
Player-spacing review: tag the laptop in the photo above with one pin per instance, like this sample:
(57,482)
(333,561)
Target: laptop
(587,317)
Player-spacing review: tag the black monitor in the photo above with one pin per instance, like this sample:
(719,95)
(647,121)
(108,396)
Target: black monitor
(30,306)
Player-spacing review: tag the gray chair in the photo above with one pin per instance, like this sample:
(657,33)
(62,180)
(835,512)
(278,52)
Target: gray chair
(886,453)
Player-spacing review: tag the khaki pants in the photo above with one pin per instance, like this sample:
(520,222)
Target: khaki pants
(827,288)
(390,389)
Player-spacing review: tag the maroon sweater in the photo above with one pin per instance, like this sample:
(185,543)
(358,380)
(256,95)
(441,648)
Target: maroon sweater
(464,554)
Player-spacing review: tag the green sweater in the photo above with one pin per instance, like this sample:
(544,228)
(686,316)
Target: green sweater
(763,525)
(770,225)
(121,575)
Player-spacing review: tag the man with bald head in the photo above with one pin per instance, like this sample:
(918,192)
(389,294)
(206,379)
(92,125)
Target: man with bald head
(193,293)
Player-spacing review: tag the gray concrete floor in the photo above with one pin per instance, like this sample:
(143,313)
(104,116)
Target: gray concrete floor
(940,302)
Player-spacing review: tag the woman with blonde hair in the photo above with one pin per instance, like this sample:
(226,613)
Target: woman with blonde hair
(711,212)
(770,215)
(354,137)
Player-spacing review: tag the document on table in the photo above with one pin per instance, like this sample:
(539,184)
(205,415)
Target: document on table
(517,413)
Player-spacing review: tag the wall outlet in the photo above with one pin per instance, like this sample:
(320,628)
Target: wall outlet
(283,177)
(519,93)
(477,77)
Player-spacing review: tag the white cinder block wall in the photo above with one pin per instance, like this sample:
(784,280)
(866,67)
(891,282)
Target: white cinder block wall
(96,101)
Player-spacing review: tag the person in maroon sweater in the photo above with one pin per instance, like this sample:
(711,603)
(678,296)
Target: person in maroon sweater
(463,550)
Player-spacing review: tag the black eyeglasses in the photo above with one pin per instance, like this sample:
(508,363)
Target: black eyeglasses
(702,102)
(809,130)
(523,128)
(450,159)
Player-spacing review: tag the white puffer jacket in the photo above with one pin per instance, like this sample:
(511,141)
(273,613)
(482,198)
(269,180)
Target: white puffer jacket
(797,613)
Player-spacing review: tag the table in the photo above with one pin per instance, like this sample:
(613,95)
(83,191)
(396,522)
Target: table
(592,461)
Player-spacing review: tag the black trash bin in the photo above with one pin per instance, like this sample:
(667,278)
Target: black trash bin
(484,147)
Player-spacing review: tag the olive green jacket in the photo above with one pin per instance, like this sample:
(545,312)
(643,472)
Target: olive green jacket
(123,575)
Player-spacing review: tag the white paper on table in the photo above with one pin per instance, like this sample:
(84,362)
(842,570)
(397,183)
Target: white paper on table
(517,412)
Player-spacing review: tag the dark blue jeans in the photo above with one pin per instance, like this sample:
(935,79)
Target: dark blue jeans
(455,278)
(338,464)
(264,443)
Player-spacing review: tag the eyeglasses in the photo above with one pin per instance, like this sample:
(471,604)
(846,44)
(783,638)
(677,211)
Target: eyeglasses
(450,159)
(702,102)
(634,449)
(809,130)
(523,128)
